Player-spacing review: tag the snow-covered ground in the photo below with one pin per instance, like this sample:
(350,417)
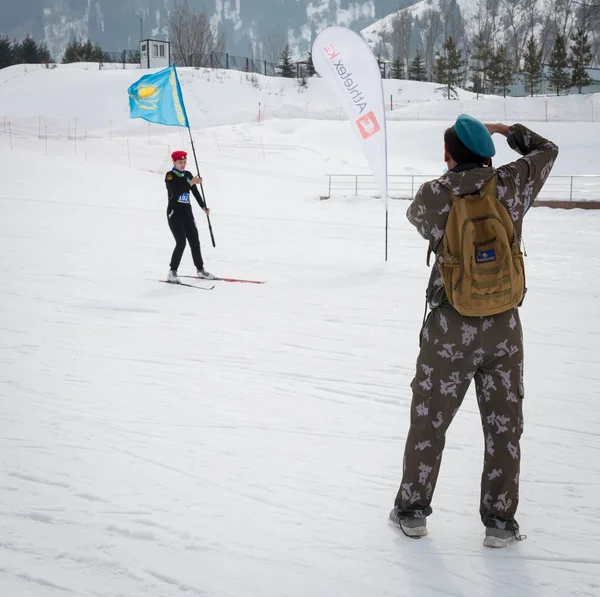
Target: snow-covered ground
(248,441)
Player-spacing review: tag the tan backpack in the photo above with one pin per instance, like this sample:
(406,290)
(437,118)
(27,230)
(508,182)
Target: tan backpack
(480,260)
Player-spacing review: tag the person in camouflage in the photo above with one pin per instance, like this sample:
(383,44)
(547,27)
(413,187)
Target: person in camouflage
(455,349)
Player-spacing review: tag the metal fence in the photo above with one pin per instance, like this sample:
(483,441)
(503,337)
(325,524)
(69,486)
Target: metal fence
(227,61)
(580,188)
(122,59)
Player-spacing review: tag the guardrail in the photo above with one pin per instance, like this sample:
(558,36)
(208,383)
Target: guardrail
(574,189)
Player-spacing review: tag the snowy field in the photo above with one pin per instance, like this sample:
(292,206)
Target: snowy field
(247,441)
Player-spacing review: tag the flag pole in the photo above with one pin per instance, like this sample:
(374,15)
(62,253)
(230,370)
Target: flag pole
(386,232)
(212,237)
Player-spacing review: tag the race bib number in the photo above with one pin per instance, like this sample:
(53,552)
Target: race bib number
(184,198)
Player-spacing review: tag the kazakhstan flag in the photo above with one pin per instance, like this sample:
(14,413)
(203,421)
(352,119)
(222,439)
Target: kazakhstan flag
(158,98)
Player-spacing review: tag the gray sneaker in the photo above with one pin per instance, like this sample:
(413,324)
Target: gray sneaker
(172,277)
(411,527)
(204,275)
(500,537)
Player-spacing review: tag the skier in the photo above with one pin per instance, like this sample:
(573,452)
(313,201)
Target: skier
(179,183)
(473,329)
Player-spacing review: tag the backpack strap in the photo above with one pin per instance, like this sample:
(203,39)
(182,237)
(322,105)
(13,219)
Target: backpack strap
(489,188)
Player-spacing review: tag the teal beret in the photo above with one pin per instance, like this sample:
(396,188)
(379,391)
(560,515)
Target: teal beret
(475,136)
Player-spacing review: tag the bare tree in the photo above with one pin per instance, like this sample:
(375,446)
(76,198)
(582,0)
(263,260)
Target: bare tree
(546,36)
(493,17)
(564,13)
(275,42)
(531,12)
(452,19)
(400,37)
(481,49)
(589,19)
(192,37)
(431,30)
(516,25)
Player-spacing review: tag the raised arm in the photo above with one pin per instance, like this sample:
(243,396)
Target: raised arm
(521,181)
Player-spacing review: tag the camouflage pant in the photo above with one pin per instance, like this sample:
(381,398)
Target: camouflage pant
(454,350)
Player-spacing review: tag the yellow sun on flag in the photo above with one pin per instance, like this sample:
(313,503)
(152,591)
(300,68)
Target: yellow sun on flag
(146,92)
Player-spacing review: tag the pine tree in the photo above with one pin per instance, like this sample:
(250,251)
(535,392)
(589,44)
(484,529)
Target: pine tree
(482,54)
(532,70)
(28,51)
(286,67)
(581,56)
(558,78)
(500,70)
(43,54)
(449,69)
(416,69)
(79,51)
(6,52)
(310,66)
(398,68)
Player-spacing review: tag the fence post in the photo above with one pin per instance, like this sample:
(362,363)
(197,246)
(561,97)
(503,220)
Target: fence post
(571,191)
(265,68)
(10,136)
(211,60)
(412,187)
(227,61)
(329,193)
(356,184)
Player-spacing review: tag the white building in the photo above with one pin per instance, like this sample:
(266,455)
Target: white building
(155,53)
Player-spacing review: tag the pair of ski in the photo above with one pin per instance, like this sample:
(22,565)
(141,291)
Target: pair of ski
(187,285)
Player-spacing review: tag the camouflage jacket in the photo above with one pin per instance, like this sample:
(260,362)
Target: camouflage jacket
(517,184)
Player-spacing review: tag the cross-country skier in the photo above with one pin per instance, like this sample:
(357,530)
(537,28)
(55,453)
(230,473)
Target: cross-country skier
(179,183)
